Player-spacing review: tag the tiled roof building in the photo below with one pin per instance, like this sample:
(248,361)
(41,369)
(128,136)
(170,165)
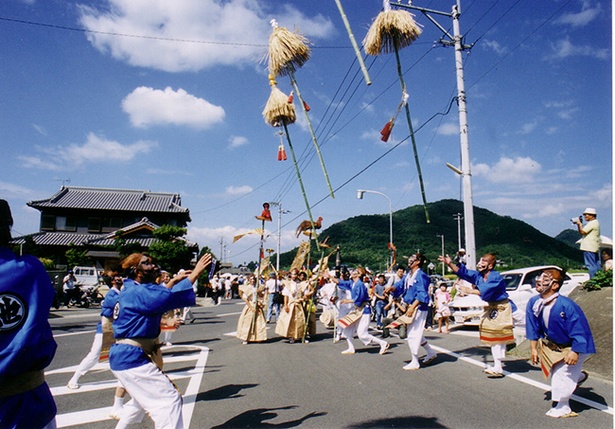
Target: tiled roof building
(92,217)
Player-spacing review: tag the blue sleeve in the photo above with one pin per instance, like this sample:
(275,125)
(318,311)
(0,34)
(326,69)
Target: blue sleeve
(156,299)
(467,275)
(422,288)
(109,302)
(399,287)
(578,330)
(533,330)
(359,294)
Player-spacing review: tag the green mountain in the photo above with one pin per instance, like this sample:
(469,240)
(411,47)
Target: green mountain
(363,239)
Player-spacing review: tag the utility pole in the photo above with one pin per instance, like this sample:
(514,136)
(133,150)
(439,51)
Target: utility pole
(456,40)
(443,266)
(458,217)
(278,204)
(222,246)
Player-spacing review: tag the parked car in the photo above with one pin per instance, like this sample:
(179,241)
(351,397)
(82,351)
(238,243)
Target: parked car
(520,285)
(86,276)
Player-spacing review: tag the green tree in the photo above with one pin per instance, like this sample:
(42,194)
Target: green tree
(170,251)
(123,247)
(76,256)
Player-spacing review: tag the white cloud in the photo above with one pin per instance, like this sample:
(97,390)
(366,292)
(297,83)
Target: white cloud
(10,190)
(187,35)
(38,163)
(527,128)
(147,106)
(448,129)
(565,49)
(94,150)
(236,141)
(580,19)
(509,170)
(41,130)
(238,190)
(495,47)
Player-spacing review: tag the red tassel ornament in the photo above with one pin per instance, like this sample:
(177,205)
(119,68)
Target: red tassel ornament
(306,106)
(281,153)
(290,98)
(386,131)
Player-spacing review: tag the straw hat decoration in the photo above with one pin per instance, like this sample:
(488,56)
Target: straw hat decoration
(391,30)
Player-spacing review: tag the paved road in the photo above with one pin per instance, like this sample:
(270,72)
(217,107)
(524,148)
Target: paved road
(277,384)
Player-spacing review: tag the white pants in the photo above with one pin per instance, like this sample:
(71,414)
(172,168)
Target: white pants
(363,330)
(564,379)
(90,360)
(153,392)
(415,332)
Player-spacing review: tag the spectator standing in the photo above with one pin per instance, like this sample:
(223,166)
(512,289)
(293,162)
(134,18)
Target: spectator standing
(590,241)
(228,289)
(560,339)
(27,346)
(442,300)
(461,257)
(71,291)
(273,292)
(380,299)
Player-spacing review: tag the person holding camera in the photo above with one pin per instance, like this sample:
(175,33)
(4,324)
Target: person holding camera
(590,243)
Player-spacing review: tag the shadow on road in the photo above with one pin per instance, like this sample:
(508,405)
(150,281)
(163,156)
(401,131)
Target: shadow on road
(259,416)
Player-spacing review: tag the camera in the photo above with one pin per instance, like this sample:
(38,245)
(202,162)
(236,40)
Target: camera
(574,219)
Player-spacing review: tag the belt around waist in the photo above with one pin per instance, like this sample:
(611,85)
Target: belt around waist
(149,345)
(21,383)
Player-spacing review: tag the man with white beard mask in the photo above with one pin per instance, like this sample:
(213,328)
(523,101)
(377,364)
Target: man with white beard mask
(560,327)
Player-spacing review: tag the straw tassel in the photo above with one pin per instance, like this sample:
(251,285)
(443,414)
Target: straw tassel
(278,109)
(288,51)
(391,30)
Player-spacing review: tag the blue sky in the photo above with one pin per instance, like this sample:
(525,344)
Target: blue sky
(168,96)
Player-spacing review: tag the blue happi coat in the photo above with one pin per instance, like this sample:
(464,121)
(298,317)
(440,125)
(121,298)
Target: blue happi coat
(138,312)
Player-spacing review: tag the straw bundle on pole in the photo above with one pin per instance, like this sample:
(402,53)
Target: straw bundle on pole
(288,51)
(278,110)
(392,29)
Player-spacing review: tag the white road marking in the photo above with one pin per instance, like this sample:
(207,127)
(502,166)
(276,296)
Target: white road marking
(83,417)
(73,333)
(528,381)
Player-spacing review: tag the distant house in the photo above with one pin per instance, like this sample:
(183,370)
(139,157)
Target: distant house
(94,217)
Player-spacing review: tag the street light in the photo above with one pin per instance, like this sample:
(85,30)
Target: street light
(442,237)
(360,193)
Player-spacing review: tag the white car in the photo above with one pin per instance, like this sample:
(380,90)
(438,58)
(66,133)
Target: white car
(520,285)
